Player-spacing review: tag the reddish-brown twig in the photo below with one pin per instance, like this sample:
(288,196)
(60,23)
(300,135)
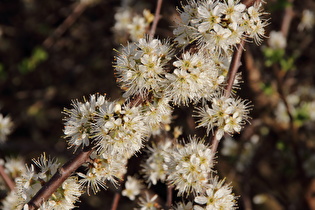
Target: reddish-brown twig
(157,17)
(7,180)
(77,11)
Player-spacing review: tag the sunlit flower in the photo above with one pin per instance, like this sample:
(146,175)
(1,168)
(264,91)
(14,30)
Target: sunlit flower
(227,114)
(218,196)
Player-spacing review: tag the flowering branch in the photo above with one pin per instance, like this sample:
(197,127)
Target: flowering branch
(6,178)
(59,177)
(235,64)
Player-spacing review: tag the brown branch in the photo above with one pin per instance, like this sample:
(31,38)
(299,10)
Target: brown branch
(7,180)
(116,201)
(235,64)
(157,17)
(59,177)
(67,23)
(169,199)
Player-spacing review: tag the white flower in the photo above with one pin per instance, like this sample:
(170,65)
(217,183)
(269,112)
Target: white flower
(307,21)
(277,40)
(15,167)
(218,196)
(137,28)
(233,9)
(133,188)
(6,126)
(122,18)
(148,203)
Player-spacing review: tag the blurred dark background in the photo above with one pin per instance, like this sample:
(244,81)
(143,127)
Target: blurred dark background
(37,80)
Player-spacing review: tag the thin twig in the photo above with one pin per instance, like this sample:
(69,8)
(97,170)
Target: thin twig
(7,180)
(116,201)
(59,177)
(287,19)
(169,199)
(157,17)
(77,11)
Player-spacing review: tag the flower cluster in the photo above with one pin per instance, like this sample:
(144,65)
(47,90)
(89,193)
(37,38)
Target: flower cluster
(154,167)
(140,67)
(227,114)
(219,25)
(218,196)
(189,166)
(113,128)
(130,25)
(30,182)
(102,168)
(196,76)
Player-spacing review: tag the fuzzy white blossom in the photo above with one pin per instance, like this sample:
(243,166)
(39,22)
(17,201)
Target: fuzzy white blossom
(277,40)
(12,201)
(157,113)
(307,21)
(6,126)
(131,25)
(154,167)
(133,187)
(119,129)
(14,167)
